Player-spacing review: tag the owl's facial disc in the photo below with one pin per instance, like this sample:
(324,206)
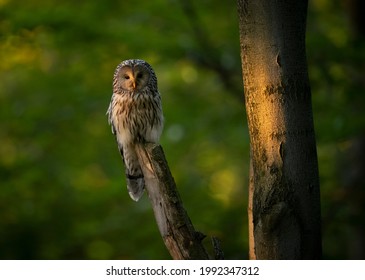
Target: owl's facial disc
(133,78)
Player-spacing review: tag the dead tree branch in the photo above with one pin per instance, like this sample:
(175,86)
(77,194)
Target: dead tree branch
(176,229)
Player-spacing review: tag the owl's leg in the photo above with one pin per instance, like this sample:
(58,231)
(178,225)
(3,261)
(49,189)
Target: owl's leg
(134,175)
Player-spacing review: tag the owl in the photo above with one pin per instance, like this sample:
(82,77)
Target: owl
(135,115)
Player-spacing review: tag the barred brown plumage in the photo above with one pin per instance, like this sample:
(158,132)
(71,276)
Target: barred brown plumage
(135,115)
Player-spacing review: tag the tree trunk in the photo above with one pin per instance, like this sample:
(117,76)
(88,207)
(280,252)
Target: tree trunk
(285,199)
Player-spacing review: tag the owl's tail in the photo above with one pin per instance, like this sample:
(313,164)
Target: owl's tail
(134,175)
(135,185)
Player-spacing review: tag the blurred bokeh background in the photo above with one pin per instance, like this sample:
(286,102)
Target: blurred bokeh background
(62,185)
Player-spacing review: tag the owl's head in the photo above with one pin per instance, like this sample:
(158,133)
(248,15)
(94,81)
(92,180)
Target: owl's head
(134,76)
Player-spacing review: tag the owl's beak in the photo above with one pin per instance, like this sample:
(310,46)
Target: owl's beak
(134,84)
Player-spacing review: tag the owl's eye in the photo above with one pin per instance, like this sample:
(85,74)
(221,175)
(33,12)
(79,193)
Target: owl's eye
(126,77)
(139,75)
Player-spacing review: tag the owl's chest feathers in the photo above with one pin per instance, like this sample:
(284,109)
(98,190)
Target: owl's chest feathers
(137,119)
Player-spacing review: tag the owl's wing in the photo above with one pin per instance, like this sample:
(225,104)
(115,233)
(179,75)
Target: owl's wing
(113,128)
(109,114)
(120,147)
(111,123)
(135,180)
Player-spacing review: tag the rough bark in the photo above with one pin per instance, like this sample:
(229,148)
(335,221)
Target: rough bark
(251,239)
(284,195)
(176,229)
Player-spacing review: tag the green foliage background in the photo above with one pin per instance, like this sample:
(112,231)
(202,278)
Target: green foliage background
(63,193)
